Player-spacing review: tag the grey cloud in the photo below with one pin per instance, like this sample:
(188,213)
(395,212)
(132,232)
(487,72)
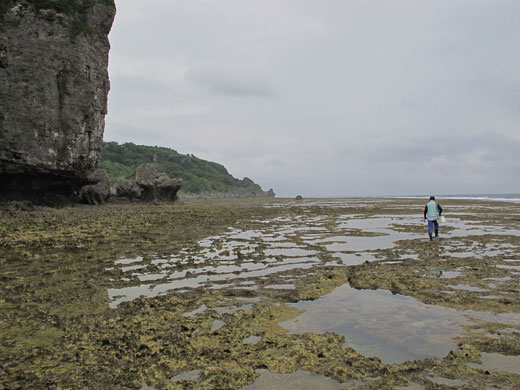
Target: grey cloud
(231,83)
(326,98)
(135,91)
(491,146)
(237,89)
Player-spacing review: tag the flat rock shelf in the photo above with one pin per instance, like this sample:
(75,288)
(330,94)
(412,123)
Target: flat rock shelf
(255,293)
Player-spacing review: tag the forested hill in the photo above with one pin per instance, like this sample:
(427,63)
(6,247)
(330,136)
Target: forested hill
(199,176)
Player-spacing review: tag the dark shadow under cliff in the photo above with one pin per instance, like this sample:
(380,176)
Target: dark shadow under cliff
(41,189)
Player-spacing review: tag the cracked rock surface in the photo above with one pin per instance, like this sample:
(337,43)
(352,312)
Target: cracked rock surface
(53,98)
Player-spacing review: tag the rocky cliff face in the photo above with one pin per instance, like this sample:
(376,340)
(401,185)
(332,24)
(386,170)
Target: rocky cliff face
(53,94)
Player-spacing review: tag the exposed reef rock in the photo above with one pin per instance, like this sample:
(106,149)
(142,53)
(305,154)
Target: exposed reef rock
(99,191)
(127,188)
(253,190)
(53,95)
(155,185)
(149,185)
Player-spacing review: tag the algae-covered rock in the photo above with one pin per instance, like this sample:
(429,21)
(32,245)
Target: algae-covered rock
(98,192)
(127,188)
(156,185)
(149,185)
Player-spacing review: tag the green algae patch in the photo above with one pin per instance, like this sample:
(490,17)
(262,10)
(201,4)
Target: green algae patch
(323,282)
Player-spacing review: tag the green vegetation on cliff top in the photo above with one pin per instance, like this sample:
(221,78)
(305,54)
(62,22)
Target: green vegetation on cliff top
(198,175)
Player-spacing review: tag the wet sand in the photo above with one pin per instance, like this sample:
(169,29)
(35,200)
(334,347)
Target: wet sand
(230,294)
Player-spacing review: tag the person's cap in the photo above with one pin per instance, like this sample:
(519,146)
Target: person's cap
(432,197)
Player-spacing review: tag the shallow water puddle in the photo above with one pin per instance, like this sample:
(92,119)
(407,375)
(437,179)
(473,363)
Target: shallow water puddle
(395,328)
(252,339)
(281,286)
(498,362)
(452,274)
(298,380)
(289,252)
(466,287)
(411,386)
(360,244)
(354,258)
(385,237)
(446,381)
(515,267)
(232,309)
(461,228)
(129,261)
(479,251)
(193,313)
(193,375)
(239,254)
(119,295)
(216,325)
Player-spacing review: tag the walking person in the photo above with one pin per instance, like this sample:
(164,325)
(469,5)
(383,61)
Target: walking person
(432,211)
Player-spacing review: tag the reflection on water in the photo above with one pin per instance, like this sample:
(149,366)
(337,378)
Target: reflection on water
(498,362)
(509,267)
(377,233)
(237,255)
(193,375)
(411,386)
(252,339)
(476,250)
(298,380)
(217,324)
(354,258)
(465,287)
(193,313)
(293,242)
(440,380)
(232,309)
(395,328)
(289,252)
(281,286)
(119,295)
(452,274)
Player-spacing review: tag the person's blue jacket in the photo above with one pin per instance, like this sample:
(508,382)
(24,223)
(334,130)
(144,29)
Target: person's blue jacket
(432,210)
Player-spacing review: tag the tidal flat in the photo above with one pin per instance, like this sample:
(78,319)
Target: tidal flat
(261,294)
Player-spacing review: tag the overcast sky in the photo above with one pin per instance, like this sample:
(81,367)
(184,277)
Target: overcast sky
(326,97)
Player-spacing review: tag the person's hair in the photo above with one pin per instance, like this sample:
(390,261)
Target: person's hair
(432,197)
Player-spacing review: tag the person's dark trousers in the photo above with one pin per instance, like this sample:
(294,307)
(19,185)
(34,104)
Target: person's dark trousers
(433,225)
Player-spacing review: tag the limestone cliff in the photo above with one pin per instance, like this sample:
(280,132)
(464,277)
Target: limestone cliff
(53,94)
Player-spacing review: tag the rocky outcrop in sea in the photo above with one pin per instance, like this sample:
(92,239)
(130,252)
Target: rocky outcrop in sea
(148,185)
